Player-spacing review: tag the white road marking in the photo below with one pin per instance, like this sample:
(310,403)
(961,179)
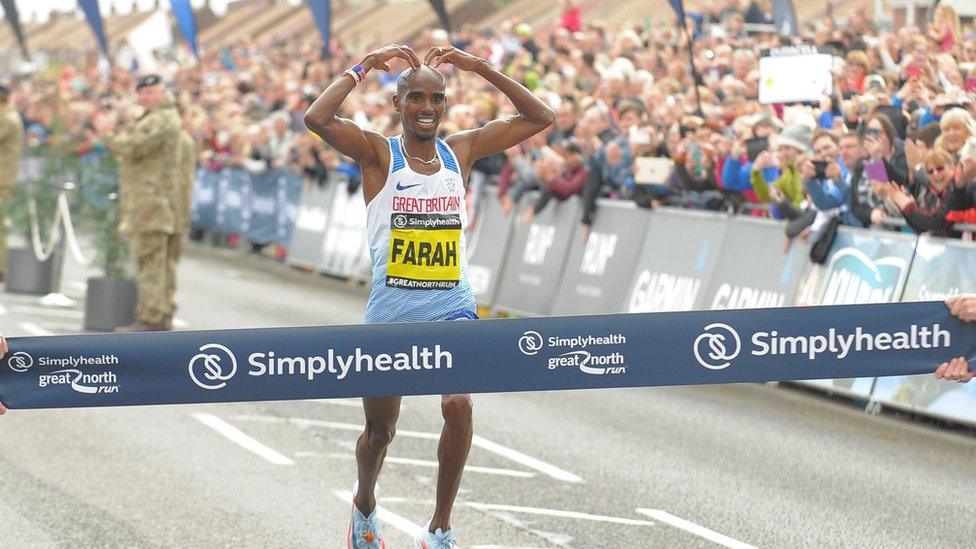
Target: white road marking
(528,461)
(3,310)
(34,329)
(238,436)
(385,515)
(480,442)
(556,513)
(695,529)
(40,311)
(426,463)
(501,547)
(344,402)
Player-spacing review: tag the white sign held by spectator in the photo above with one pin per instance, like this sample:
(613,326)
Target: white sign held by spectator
(788,76)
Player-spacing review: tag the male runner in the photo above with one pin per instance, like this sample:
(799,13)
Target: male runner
(416,216)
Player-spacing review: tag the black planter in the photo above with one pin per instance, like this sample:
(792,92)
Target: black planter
(110,303)
(27,275)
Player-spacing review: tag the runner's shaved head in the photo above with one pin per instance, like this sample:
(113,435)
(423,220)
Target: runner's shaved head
(425,71)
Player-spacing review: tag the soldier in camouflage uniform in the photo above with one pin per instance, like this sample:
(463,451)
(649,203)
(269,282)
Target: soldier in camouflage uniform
(150,199)
(11,147)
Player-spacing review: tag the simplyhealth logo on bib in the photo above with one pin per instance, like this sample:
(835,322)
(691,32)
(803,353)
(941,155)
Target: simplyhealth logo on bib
(719,344)
(212,370)
(425,251)
(579,356)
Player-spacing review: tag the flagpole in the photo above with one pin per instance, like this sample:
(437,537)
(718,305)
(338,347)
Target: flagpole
(691,61)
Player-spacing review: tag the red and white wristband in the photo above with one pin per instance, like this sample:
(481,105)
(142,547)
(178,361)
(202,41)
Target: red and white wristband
(357,72)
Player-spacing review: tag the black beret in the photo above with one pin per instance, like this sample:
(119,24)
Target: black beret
(148,80)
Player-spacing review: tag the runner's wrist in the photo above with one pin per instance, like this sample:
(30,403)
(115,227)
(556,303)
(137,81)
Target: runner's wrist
(482,67)
(356,72)
(368,63)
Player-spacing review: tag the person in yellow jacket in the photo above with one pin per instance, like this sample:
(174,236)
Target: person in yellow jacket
(11,148)
(786,192)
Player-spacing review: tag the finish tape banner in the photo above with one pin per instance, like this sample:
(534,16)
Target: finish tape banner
(536,354)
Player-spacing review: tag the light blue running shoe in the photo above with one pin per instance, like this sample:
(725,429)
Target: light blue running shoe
(364,533)
(437,540)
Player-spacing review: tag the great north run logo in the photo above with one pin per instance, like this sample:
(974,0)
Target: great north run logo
(579,355)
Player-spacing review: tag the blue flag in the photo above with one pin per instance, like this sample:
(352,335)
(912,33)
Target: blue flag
(785,16)
(679,8)
(187,22)
(94,17)
(10,9)
(322,11)
(442,14)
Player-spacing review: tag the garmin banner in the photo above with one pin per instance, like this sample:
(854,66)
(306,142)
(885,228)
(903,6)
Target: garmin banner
(670,277)
(536,256)
(345,251)
(305,246)
(863,267)
(533,354)
(486,247)
(597,273)
(941,268)
(745,279)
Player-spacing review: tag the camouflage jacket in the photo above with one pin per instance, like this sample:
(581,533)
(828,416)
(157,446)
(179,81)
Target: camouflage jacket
(149,171)
(188,172)
(11,146)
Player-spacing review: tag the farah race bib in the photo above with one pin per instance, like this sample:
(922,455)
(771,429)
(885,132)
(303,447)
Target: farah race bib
(425,251)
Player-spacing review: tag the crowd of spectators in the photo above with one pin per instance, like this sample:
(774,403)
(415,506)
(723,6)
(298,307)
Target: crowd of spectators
(894,140)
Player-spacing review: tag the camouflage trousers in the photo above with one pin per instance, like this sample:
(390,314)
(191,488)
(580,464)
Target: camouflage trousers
(156,256)
(5,195)
(175,251)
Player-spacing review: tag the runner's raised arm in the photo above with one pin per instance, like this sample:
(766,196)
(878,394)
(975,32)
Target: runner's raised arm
(341,133)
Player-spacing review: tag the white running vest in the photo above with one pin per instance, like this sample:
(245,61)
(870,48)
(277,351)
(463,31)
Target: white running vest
(415,227)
